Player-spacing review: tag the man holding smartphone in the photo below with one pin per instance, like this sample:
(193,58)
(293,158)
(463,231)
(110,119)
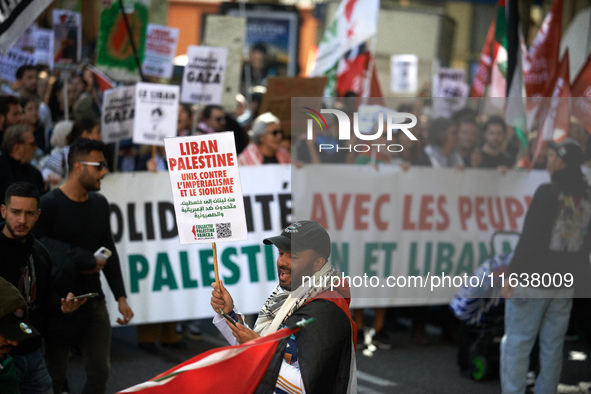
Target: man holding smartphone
(74,225)
(26,264)
(320,358)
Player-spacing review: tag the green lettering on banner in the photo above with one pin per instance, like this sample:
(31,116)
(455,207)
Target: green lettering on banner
(340,258)
(369,259)
(251,254)
(443,264)
(507,248)
(389,248)
(188,282)
(163,274)
(270,263)
(232,266)
(138,269)
(412,261)
(207,270)
(466,260)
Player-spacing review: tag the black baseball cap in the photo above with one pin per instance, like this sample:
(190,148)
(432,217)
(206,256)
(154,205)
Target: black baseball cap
(302,235)
(569,151)
(14,323)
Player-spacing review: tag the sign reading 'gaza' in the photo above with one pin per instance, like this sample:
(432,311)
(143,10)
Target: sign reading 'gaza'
(203,77)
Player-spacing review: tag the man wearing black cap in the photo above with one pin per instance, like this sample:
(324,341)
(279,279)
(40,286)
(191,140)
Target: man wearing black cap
(14,327)
(554,248)
(321,357)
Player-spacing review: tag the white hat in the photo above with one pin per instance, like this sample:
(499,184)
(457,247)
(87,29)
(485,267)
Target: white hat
(61,131)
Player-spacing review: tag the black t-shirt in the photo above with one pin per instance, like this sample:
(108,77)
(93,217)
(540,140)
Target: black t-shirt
(501,159)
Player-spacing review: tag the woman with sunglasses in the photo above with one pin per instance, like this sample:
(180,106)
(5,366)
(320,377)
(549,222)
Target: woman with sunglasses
(265,147)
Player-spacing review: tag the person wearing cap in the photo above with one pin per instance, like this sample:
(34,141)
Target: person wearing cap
(555,244)
(265,147)
(320,358)
(26,264)
(14,327)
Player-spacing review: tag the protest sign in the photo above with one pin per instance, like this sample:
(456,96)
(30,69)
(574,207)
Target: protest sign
(206,188)
(26,41)
(404,73)
(156,113)
(13,59)
(43,42)
(203,77)
(67,30)
(161,44)
(118,114)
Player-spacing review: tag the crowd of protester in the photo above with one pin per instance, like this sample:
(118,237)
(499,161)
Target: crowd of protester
(41,117)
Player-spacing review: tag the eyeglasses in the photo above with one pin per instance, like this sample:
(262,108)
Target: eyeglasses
(99,164)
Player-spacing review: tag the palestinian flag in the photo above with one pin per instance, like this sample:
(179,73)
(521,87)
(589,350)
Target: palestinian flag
(498,75)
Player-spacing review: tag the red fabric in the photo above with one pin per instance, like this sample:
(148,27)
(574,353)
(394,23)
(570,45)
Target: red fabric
(352,75)
(482,75)
(239,370)
(541,62)
(554,112)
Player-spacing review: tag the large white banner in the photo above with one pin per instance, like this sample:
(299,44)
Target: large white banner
(203,77)
(16,17)
(382,222)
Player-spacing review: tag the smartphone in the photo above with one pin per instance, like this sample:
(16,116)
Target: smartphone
(102,253)
(87,295)
(228,317)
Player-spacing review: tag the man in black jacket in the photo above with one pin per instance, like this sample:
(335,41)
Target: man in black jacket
(551,260)
(26,264)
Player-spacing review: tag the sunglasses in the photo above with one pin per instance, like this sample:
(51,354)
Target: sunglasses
(276,132)
(99,164)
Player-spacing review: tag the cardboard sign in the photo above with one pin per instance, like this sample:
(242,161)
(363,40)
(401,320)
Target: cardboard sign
(203,78)
(156,113)
(161,44)
(13,59)
(67,30)
(118,114)
(43,42)
(404,73)
(206,188)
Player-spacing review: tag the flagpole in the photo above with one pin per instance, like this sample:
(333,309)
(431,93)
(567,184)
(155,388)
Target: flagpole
(129,33)
(215,265)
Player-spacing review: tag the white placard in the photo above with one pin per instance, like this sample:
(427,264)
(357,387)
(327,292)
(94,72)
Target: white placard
(452,97)
(404,73)
(443,74)
(118,114)
(156,113)
(12,61)
(206,188)
(161,44)
(44,47)
(67,29)
(203,78)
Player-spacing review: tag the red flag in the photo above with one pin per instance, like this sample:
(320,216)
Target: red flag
(352,73)
(581,91)
(102,80)
(482,76)
(553,115)
(239,369)
(541,62)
